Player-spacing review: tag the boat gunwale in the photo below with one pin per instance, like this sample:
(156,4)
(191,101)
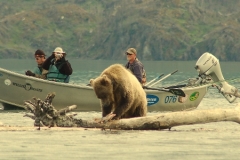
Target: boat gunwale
(81,86)
(43,80)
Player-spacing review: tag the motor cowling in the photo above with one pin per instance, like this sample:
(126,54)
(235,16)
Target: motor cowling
(208,66)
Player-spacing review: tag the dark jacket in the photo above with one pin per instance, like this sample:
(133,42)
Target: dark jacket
(62,65)
(136,68)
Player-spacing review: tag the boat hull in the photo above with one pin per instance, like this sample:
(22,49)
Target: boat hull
(16,88)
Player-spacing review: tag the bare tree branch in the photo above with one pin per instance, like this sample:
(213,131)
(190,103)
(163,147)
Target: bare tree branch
(46,115)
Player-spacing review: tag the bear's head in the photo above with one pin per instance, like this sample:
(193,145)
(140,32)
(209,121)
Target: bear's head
(102,86)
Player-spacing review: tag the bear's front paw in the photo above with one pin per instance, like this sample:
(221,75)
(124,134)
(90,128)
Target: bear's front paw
(105,119)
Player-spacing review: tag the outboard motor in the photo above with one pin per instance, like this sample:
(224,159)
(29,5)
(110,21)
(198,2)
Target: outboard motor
(208,67)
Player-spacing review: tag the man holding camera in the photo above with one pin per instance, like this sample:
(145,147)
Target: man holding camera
(59,69)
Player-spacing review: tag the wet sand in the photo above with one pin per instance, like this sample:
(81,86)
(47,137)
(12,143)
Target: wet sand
(20,140)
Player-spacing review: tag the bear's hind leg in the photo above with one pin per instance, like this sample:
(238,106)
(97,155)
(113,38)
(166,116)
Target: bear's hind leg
(140,111)
(121,110)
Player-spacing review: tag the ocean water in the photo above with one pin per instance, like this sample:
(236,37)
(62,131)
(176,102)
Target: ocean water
(213,141)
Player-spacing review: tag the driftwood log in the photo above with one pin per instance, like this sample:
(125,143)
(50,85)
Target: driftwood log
(44,114)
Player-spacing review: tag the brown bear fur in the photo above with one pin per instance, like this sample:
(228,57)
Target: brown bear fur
(120,93)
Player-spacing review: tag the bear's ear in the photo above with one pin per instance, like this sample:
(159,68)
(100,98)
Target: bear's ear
(104,80)
(91,82)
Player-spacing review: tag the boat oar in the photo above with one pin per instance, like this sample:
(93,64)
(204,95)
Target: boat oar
(175,91)
(158,77)
(163,78)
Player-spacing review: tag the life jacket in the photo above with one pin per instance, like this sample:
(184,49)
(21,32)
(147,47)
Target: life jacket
(38,70)
(54,75)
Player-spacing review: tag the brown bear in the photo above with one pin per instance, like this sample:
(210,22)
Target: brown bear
(120,93)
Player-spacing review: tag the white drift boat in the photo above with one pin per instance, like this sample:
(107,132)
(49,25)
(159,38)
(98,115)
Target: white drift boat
(16,88)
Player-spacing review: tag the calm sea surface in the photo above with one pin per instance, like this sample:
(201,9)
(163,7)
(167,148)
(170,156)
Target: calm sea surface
(213,141)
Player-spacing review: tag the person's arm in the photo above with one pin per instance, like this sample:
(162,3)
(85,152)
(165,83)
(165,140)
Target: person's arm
(127,65)
(47,62)
(43,75)
(37,70)
(65,67)
(137,71)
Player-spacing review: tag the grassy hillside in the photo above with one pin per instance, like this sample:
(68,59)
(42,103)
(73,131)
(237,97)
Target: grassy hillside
(158,29)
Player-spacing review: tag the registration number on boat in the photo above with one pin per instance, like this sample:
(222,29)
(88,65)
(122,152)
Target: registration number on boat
(170,99)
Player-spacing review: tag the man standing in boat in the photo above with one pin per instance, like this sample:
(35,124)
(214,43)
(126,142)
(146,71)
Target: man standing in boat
(40,57)
(59,69)
(135,66)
